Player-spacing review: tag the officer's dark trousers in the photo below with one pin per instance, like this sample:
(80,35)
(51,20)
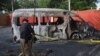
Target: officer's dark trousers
(26,47)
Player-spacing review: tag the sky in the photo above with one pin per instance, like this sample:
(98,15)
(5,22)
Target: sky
(98,4)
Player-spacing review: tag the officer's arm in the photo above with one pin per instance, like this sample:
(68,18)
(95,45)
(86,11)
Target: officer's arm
(31,30)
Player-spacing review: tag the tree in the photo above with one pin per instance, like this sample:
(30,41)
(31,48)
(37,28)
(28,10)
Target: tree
(28,3)
(43,3)
(16,5)
(5,4)
(75,4)
(79,4)
(64,5)
(55,3)
(82,4)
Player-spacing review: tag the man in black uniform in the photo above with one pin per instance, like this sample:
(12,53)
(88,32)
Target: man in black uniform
(26,37)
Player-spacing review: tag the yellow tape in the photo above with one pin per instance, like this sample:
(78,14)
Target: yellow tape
(89,41)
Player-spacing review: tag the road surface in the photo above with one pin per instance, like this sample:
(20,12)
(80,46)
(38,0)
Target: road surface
(55,48)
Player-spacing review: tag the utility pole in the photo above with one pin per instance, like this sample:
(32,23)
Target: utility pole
(12,5)
(34,6)
(69,7)
(69,28)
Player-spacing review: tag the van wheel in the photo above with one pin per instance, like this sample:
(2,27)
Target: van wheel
(14,38)
(12,31)
(75,36)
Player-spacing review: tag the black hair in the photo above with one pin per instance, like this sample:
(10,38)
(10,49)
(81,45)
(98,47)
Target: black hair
(25,20)
(64,13)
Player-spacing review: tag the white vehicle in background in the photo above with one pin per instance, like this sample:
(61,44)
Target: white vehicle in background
(49,23)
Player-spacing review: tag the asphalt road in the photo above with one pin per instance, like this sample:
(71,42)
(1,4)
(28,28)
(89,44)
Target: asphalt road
(55,48)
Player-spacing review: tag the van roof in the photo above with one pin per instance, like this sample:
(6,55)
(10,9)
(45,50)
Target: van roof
(36,11)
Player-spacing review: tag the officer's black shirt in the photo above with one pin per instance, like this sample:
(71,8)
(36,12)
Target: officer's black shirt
(26,30)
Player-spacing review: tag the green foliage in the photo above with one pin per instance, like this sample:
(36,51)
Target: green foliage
(54,3)
(43,3)
(16,5)
(75,4)
(82,4)
(26,3)
(64,5)
(5,4)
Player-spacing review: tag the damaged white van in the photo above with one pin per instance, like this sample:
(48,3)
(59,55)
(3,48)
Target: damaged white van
(49,23)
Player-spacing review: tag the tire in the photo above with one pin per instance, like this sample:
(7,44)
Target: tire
(12,31)
(75,36)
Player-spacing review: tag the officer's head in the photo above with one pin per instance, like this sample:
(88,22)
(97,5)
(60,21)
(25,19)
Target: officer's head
(64,13)
(25,20)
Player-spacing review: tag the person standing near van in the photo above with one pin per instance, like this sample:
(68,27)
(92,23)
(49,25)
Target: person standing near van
(66,24)
(26,37)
